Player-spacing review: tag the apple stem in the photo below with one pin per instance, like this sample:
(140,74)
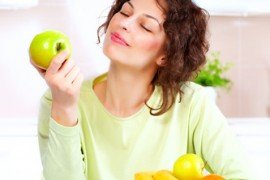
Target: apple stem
(58,47)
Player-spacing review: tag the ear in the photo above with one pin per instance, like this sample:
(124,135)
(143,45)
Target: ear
(161,62)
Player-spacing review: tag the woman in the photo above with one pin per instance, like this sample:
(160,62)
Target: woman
(144,112)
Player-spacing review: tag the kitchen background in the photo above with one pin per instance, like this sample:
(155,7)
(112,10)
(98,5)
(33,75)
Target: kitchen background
(238,29)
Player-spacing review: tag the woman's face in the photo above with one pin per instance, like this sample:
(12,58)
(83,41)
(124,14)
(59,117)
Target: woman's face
(135,36)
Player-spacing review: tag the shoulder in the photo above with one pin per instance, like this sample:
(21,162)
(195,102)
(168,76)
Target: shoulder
(193,93)
(203,109)
(86,85)
(191,87)
(89,83)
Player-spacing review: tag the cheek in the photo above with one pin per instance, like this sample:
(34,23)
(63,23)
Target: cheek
(150,45)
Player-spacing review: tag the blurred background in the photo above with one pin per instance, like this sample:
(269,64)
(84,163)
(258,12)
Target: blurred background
(238,30)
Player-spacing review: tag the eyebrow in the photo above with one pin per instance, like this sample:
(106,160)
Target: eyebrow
(146,15)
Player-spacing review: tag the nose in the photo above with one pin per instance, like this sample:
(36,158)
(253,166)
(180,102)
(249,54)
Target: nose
(127,23)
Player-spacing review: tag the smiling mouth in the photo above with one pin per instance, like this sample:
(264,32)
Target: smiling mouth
(117,39)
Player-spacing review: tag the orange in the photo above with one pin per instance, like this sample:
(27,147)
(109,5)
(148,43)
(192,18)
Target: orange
(213,177)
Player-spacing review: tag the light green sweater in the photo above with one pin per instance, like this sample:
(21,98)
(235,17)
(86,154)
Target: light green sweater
(105,147)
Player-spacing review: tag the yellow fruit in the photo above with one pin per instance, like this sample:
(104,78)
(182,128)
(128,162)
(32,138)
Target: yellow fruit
(213,177)
(164,175)
(144,176)
(188,167)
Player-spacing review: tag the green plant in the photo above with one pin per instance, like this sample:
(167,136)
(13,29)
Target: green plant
(212,73)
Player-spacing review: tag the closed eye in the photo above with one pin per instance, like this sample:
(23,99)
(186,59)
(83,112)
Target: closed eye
(145,28)
(124,14)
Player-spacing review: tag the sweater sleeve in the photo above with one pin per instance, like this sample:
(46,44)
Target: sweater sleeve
(216,143)
(60,146)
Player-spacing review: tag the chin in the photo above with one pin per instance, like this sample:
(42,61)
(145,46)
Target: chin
(109,51)
(114,54)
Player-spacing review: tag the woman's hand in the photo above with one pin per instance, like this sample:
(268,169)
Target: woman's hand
(64,79)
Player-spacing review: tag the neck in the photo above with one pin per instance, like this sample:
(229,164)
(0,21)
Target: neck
(126,91)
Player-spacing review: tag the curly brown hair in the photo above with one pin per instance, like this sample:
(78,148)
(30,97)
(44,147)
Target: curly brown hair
(185,49)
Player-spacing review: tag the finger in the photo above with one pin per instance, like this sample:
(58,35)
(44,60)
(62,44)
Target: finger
(78,81)
(66,67)
(72,74)
(57,62)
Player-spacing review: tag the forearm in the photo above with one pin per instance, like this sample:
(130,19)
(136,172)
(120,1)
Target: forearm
(62,157)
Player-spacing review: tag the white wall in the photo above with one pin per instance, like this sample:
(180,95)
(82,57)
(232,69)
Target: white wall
(244,7)
(21,85)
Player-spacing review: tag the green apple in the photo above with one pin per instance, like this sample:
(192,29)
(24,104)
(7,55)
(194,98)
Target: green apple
(188,167)
(46,45)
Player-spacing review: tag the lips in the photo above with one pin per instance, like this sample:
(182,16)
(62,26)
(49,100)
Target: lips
(118,39)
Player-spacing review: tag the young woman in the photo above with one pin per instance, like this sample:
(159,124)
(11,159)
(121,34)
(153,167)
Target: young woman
(144,112)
